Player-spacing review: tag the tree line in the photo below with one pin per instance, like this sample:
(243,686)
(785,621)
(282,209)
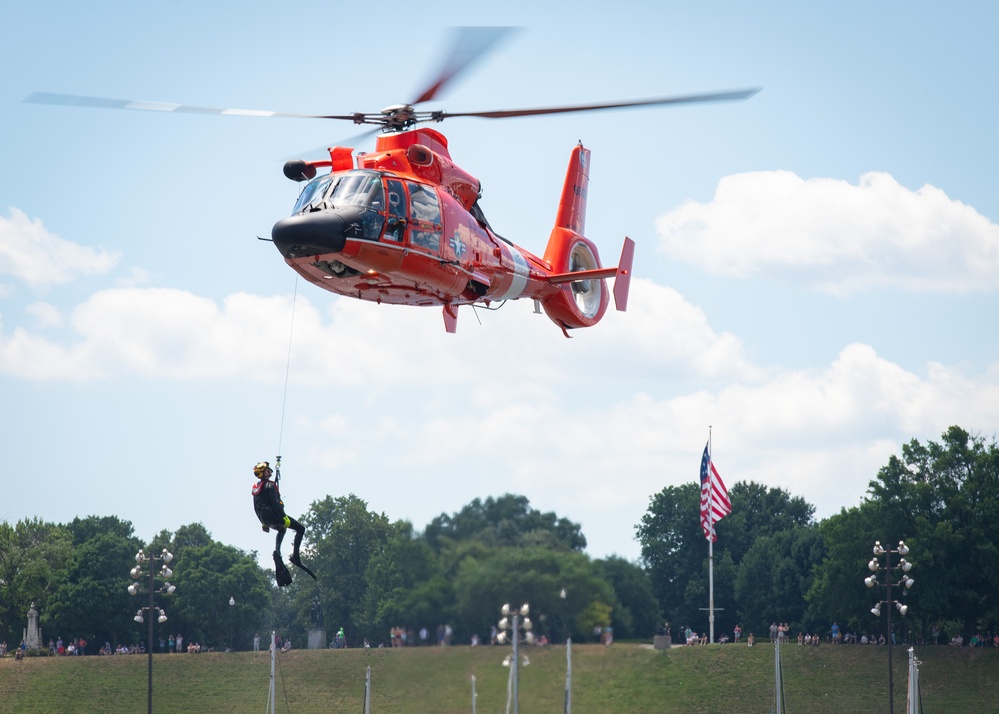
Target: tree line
(773,562)
(373,575)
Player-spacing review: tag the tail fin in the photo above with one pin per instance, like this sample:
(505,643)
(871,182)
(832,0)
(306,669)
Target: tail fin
(572,206)
(582,298)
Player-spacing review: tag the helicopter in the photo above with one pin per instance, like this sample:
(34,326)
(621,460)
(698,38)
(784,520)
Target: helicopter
(402,224)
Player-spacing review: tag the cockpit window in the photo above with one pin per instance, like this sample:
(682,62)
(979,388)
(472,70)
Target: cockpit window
(313,191)
(359,189)
(356,188)
(426,217)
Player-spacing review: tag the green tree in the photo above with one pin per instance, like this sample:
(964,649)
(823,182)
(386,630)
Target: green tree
(84,529)
(402,565)
(33,558)
(536,576)
(207,577)
(635,612)
(673,545)
(344,537)
(942,499)
(837,592)
(505,521)
(190,536)
(675,550)
(774,577)
(759,511)
(92,600)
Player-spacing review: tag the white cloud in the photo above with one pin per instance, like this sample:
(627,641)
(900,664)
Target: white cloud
(45,314)
(837,237)
(30,253)
(175,334)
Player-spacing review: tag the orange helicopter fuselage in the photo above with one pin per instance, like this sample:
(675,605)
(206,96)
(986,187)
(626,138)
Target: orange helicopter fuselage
(401,225)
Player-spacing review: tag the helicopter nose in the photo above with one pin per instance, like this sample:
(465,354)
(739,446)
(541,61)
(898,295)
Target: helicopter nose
(309,234)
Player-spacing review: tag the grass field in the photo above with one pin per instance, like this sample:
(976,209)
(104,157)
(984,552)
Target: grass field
(623,678)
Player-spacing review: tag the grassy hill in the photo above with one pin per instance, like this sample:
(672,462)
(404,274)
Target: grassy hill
(623,678)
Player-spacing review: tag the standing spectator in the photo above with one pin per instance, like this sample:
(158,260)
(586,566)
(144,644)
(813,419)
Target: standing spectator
(773,631)
(738,633)
(256,641)
(180,643)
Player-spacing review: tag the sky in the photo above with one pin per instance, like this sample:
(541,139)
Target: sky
(815,278)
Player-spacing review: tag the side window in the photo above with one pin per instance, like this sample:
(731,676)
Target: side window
(426,230)
(395,230)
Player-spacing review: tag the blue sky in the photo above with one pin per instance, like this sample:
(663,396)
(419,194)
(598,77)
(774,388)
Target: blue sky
(815,273)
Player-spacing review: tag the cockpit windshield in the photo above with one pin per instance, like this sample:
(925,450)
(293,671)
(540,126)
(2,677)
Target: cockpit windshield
(354,188)
(313,191)
(361,188)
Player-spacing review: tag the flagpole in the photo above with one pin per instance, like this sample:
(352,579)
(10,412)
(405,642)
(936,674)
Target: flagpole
(711,553)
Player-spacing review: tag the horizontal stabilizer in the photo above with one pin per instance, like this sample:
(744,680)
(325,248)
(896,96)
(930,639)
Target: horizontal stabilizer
(621,275)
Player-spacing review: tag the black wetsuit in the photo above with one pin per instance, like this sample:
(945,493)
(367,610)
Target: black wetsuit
(270,511)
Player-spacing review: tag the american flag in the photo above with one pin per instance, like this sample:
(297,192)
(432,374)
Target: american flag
(714,497)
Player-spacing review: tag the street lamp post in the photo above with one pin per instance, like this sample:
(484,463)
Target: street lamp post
(904,582)
(512,621)
(133,589)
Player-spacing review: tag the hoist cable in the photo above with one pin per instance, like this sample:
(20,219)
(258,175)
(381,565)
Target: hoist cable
(287,373)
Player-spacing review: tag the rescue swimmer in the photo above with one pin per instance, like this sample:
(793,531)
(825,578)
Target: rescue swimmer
(269,508)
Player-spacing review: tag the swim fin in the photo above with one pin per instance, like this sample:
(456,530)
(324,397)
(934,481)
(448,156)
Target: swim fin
(281,573)
(296,560)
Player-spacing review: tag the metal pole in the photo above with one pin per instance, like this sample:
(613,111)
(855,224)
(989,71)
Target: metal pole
(912,696)
(888,579)
(711,551)
(149,614)
(515,663)
(473,694)
(568,676)
(270,693)
(891,689)
(367,691)
(711,588)
(778,684)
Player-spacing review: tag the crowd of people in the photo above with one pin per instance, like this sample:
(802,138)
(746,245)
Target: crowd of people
(779,632)
(167,645)
(75,647)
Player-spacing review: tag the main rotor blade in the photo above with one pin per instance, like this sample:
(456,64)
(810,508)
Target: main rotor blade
(469,45)
(75,100)
(687,99)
